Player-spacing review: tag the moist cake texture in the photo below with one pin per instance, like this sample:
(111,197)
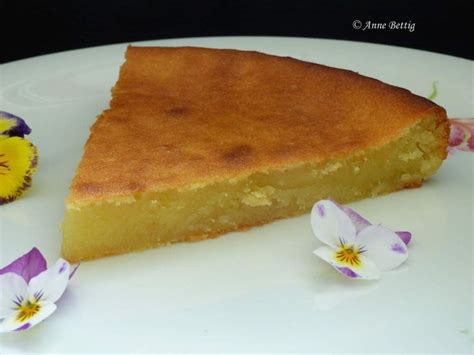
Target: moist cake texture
(198,142)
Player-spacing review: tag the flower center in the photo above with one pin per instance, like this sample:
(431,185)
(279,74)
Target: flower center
(348,254)
(27,309)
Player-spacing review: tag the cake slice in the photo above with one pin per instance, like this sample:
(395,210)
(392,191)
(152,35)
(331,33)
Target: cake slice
(198,142)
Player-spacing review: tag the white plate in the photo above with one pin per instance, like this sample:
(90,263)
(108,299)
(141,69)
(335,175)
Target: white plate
(262,290)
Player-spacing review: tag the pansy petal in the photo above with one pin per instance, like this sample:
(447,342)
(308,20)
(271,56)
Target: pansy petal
(365,270)
(18,160)
(383,247)
(404,236)
(358,221)
(456,135)
(13,324)
(331,225)
(12,125)
(27,266)
(71,274)
(13,288)
(51,284)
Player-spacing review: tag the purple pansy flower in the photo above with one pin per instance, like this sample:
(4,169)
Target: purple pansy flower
(29,290)
(13,126)
(354,247)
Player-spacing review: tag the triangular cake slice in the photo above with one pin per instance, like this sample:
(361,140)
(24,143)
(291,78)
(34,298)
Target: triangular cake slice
(198,142)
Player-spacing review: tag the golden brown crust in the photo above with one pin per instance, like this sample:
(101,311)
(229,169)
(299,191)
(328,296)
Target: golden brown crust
(188,115)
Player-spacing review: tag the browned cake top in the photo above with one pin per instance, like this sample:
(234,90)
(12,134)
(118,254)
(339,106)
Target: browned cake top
(186,115)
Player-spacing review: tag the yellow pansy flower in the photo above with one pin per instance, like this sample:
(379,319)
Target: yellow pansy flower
(18,157)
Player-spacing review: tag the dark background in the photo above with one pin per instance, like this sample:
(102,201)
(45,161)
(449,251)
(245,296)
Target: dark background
(37,27)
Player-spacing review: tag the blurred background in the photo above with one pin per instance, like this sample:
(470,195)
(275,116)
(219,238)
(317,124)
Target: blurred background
(36,27)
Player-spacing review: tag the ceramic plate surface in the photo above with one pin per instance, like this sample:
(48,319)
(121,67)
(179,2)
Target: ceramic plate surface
(261,290)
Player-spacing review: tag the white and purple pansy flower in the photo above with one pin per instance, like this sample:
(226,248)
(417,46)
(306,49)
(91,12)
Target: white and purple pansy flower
(13,126)
(29,290)
(354,246)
